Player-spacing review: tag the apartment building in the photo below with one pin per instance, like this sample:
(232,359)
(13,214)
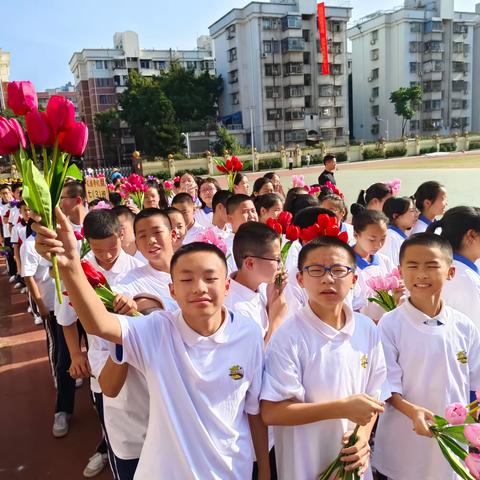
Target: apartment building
(426,43)
(270,59)
(68,91)
(101,74)
(4,75)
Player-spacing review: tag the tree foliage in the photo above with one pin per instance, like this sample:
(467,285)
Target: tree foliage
(225,141)
(406,101)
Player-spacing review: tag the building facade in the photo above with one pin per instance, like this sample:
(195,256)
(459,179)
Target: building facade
(424,43)
(4,75)
(68,91)
(101,75)
(269,57)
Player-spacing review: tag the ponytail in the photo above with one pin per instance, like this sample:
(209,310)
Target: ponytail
(455,224)
(361,199)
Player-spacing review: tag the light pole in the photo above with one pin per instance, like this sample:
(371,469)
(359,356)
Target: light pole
(386,122)
(252,136)
(187,138)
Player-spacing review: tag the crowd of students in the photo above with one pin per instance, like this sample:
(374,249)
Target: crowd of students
(206,349)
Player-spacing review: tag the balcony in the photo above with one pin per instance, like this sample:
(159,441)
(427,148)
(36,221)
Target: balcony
(432,76)
(435,95)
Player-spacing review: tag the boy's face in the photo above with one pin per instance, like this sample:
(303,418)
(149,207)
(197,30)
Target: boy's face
(6,195)
(178,226)
(199,284)
(154,238)
(425,270)
(106,250)
(245,212)
(126,229)
(187,209)
(327,290)
(331,165)
(221,213)
(68,203)
(17,193)
(265,269)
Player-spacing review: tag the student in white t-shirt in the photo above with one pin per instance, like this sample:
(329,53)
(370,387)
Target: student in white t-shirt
(203,365)
(207,188)
(461,227)
(402,215)
(220,217)
(19,235)
(324,367)
(253,289)
(184,202)
(431,201)
(370,228)
(6,198)
(432,355)
(240,209)
(177,223)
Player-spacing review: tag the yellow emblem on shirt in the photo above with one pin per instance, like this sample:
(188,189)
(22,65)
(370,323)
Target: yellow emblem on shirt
(236,372)
(462,356)
(364,361)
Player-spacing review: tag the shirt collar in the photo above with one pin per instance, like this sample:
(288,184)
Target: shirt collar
(467,262)
(362,263)
(191,337)
(421,318)
(424,219)
(398,230)
(326,329)
(242,292)
(207,209)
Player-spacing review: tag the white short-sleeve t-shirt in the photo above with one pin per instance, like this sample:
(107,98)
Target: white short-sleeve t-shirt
(421,225)
(309,361)
(192,233)
(393,242)
(201,389)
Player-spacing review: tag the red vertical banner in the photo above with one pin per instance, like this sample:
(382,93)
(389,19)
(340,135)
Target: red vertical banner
(322,29)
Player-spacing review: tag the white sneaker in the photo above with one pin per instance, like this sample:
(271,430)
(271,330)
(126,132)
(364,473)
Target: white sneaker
(60,424)
(96,463)
(23,290)
(37,320)
(12,279)
(29,310)
(18,285)
(78,382)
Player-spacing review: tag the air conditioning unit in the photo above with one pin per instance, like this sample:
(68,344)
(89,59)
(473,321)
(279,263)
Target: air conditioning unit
(274,94)
(373,42)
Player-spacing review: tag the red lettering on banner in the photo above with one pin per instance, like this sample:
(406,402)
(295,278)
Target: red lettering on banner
(322,29)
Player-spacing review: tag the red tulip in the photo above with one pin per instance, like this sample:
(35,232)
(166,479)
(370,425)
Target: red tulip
(292,233)
(22,97)
(228,165)
(237,165)
(61,113)
(285,219)
(11,136)
(309,233)
(38,128)
(221,168)
(78,235)
(343,237)
(74,140)
(94,277)
(274,225)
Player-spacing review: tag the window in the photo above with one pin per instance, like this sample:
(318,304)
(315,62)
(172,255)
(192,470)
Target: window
(307,79)
(335,69)
(414,84)
(433,46)
(272,69)
(374,54)
(432,86)
(308,101)
(233,76)
(294,91)
(432,66)
(374,74)
(375,92)
(375,110)
(374,35)
(460,122)
(432,26)
(325,112)
(235,98)
(292,44)
(328,133)
(191,65)
(339,112)
(460,67)
(272,92)
(274,114)
(232,55)
(271,23)
(431,125)
(306,35)
(291,21)
(295,135)
(306,58)
(458,104)
(430,105)
(375,129)
(460,28)
(99,65)
(337,90)
(106,99)
(295,114)
(293,69)
(119,64)
(144,63)
(414,125)
(103,82)
(459,85)
(273,136)
(414,67)
(415,47)
(335,48)
(415,27)
(230,32)
(271,46)
(325,90)
(334,27)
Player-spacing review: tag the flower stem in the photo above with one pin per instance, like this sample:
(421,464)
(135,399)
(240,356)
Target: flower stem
(56,274)
(34,153)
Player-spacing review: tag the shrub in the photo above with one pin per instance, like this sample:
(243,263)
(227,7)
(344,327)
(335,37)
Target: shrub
(447,147)
(269,164)
(396,152)
(162,175)
(179,156)
(193,171)
(247,165)
(474,146)
(423,151)
(341,157)
(372,153)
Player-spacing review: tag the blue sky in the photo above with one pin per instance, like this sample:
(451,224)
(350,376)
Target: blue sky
(42,36)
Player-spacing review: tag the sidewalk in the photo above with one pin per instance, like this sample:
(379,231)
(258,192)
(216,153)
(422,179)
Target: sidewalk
(28,450)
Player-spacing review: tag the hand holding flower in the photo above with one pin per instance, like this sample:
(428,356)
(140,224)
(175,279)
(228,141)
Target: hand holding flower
(422,419)
(356,456)
(124,305)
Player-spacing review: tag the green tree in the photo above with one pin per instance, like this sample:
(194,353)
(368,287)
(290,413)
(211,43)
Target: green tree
(225,141)
(150,115)
(406,101)
(107,123)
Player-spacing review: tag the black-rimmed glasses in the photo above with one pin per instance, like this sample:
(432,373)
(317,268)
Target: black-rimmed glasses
(277,260)
(336,271)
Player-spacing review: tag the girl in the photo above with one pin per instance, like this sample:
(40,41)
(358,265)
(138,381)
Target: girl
(155,196)
(336,204)
(268,206)
(241,185)
(431,201)
(178,226)
(373,197)
(277,186)
(189,185)
(208,188)
(461,227)
(262,186)
(370,230)
(402,215)
(292,195)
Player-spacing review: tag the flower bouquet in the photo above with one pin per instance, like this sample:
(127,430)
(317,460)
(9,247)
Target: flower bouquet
(382,286)
(58,136)
(325,226)
(230,167)
(209,236)
(168,187)
(84,245)
(135,187)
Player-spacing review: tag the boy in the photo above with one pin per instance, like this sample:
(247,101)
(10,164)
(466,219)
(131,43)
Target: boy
(126,218)
(18,235)
(432,353)
(177,223)
(256,250)
(240,209)
(324,366)
(7,197)
(328,175)
(184,203)
(203,366)
(220,218)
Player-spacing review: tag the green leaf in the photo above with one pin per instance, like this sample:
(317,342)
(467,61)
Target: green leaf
(58,177)
(36,193)
(333,467)
(455,432)
(74,172)
(454,462)
(106,295)
(458,450)
(440,421)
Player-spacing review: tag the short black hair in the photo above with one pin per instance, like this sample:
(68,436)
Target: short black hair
(151,212)
(292,194)
(270,175)
(16,185)
(235,201)
(259,183)
(427,239)
(325,242)
(252,238)
(100,224)
(115,198)
(200,247)
(368,217)
(238,178)
(221,197)
(75,188)
(267,201)
(5,186)
(427,191)
(183,197)
(123,210)
(328,157)
(170,210)
(337,200)
(300,202)
(308,216)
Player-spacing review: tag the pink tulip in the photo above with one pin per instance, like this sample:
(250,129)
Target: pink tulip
(11,136)
(472,434)
(298,181)
(61,113)
(74,140)
(38,128)
(17,128)
(456,414)
(395,186)
(473,464)
(209,236)
(372,283)
(167,185)
(477,395)
(22,97)
(396,273)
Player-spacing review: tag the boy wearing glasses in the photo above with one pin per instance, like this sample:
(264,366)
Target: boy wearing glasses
(253,290)
(324,370)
